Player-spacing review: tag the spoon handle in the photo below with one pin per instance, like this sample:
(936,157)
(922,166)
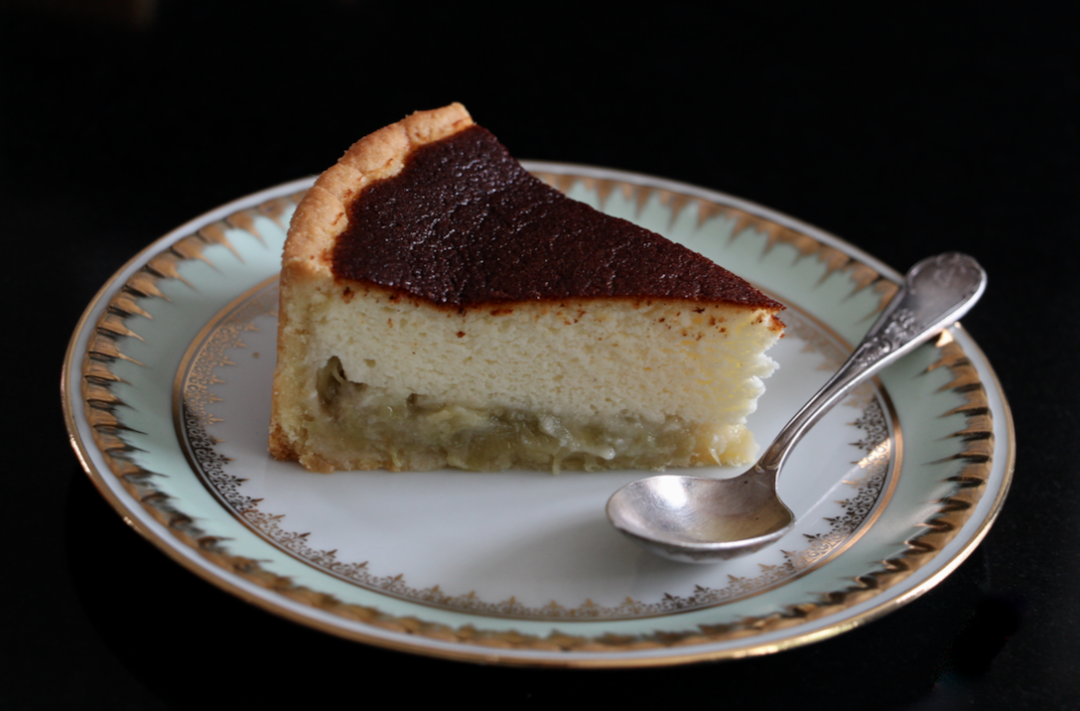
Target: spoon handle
(936,292)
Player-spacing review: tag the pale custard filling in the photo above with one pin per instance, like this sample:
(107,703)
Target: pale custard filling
(360,417)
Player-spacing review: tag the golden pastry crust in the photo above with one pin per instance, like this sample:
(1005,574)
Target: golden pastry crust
(321,216)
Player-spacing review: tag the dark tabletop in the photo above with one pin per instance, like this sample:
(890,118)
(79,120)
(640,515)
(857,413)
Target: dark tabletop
(905,132)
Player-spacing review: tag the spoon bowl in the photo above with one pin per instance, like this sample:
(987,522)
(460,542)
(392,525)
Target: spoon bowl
(703,520)
(695,519)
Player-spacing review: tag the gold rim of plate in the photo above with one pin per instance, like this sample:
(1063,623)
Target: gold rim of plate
(88,384)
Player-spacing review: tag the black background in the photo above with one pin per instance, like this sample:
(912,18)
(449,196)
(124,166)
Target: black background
(906,132)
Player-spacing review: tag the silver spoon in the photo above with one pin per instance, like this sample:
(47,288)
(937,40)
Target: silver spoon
(700,520)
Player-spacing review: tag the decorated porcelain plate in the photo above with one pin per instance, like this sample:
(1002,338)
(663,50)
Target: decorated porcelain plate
(167,397)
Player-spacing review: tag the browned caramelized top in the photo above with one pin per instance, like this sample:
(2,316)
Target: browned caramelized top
(463,224)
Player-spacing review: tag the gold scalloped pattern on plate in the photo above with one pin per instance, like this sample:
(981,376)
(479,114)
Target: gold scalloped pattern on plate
(102,408)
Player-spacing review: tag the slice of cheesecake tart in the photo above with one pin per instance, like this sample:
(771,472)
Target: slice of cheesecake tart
(440,306)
